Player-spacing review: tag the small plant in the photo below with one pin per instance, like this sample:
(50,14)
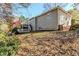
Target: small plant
(8,44)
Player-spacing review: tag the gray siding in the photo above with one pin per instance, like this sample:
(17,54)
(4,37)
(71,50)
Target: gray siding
(32,22)
(48,21)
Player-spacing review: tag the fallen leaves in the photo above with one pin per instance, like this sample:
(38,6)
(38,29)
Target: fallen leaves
(49,43)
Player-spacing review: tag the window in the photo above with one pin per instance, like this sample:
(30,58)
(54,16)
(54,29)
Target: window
(68,21)
(62,19)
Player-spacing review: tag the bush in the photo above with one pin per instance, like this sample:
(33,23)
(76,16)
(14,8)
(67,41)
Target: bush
(74,27)
(8,44)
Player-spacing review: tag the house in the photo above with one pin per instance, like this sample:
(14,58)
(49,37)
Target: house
(54,19)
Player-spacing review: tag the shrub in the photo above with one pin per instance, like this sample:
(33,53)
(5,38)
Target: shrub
(8,44)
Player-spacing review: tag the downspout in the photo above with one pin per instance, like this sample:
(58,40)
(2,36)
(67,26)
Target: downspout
(35,23)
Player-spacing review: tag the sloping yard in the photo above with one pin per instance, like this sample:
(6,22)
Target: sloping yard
(49,43)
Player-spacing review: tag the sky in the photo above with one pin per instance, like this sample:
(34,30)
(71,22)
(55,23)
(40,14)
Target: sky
(36,9)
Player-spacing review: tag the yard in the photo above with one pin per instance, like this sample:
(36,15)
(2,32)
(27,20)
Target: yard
(43,43)
(49,43)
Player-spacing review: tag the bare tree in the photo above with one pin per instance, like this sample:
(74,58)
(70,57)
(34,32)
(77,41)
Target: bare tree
(48,6)
(6,9)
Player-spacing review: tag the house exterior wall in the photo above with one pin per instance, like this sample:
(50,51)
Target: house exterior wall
(52,20)
(48,21)
(64,19)
(32,22)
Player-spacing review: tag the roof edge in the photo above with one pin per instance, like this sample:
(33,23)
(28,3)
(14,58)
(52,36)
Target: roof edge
(50,11)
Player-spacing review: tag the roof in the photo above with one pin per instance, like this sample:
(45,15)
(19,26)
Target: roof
(56,8)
